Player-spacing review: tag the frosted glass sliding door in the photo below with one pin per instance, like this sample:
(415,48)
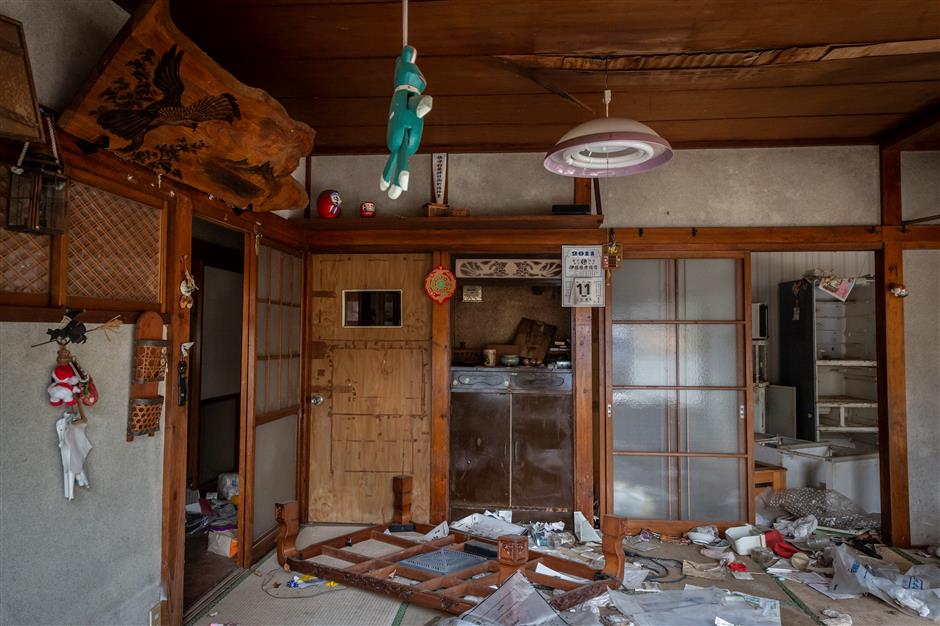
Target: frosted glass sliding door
(678,419)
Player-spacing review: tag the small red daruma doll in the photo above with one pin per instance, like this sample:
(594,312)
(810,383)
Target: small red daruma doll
(367,209)
(328,204)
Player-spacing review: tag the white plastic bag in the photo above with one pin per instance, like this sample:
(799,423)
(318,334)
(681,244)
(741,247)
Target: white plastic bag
(917,592)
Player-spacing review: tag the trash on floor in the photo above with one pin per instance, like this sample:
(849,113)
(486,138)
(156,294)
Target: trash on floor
(697,606)
(829,507)
(485,526)
(916,592)
(516,601)
(831,617)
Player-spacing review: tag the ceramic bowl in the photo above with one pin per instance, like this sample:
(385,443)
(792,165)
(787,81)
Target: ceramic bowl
(509,360)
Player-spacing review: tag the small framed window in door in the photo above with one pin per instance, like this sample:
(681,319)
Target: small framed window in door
(678,432)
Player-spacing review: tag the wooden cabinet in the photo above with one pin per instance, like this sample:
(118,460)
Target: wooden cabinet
(511,442)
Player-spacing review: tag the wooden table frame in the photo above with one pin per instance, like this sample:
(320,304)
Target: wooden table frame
(444,592)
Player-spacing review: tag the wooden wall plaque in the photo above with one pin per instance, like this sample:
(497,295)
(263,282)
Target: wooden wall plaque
(160,101)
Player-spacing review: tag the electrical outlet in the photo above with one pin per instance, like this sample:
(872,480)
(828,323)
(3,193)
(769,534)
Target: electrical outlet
(156,612)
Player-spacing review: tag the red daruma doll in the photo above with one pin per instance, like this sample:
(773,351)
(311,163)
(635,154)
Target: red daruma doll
(367,209)
(328,204)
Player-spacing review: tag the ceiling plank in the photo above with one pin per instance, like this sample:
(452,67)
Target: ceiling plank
(648,107)
(360,139)
(484,75)
(457,27)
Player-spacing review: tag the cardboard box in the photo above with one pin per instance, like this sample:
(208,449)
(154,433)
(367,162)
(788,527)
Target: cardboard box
(224,542)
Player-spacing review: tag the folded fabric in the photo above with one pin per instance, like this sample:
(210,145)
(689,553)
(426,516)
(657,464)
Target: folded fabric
(780,546)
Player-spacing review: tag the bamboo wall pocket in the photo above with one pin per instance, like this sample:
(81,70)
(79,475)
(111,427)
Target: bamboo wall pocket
(149,369)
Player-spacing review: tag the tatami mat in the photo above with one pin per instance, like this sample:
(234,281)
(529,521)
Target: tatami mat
(249,602)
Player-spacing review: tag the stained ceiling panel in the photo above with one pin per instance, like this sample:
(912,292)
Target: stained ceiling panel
(702,72)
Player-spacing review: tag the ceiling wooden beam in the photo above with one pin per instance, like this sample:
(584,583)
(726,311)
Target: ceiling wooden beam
(920,131)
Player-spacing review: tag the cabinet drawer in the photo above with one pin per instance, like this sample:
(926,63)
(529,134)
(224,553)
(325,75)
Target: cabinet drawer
(542,382)
(479,381)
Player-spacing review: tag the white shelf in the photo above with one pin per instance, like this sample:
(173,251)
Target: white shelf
(848,429)
(845,363)
(845,401)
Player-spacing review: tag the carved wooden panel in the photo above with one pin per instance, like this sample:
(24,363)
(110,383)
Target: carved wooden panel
(508,268)
(115,250)
(24,261)
(158,100)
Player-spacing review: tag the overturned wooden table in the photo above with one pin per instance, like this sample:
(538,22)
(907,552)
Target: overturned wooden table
(453,592)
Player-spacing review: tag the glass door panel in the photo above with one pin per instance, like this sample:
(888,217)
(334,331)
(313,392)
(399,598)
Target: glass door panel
(277,391)
(644,420)
(678,427)
(644,354)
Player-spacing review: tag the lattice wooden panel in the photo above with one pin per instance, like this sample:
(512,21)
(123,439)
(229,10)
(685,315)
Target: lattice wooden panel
(24,262)
(114,246)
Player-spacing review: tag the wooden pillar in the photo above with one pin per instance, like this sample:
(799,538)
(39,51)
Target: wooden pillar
(440,403)
(892,399)
(175,420)
(583,413)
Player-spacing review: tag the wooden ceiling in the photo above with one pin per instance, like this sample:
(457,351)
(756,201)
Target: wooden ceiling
(701,72)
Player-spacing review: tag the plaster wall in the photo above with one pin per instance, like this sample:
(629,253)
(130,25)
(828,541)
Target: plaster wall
(65,41)
(743,187)
(920,184)
(96,559)
(922,371)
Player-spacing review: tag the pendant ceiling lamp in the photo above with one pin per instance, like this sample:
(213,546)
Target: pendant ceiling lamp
(609,146)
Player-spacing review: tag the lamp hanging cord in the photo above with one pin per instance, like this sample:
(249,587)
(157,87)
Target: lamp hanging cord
(404,23)
(607,95)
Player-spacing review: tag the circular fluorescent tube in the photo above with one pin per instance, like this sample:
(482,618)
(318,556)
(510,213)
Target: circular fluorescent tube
(608,146)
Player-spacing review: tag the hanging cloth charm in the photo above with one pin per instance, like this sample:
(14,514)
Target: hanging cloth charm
(73,448)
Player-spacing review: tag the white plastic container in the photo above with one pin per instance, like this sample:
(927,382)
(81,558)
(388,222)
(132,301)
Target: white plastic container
(745,538)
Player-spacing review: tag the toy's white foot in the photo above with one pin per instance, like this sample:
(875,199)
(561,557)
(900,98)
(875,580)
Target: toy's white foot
(424,106)
(394,191)
(383,184)
(403,180)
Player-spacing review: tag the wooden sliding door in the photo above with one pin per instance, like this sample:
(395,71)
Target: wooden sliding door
(273,406)
(678,431)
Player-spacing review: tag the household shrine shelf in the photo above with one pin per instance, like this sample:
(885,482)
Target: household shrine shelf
(483,222)
(827,351)
(511,442)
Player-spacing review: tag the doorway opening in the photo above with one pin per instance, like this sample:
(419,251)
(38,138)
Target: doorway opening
(815,371)
(215,405)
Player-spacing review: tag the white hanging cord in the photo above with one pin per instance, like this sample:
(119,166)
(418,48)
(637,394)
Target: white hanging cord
(607,95)
(52,142)
(404,23)
(18,168)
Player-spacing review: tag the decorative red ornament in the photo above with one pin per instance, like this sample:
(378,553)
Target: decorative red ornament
(328,204)
(367,209)
(440,284)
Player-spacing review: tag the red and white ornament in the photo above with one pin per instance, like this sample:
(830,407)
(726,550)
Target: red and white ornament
(64,386)
(328,204)
(367,209)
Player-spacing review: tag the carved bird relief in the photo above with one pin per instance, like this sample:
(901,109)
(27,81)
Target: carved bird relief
(134,124)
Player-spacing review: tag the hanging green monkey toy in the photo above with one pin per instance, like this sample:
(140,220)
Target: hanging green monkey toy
(405,122)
